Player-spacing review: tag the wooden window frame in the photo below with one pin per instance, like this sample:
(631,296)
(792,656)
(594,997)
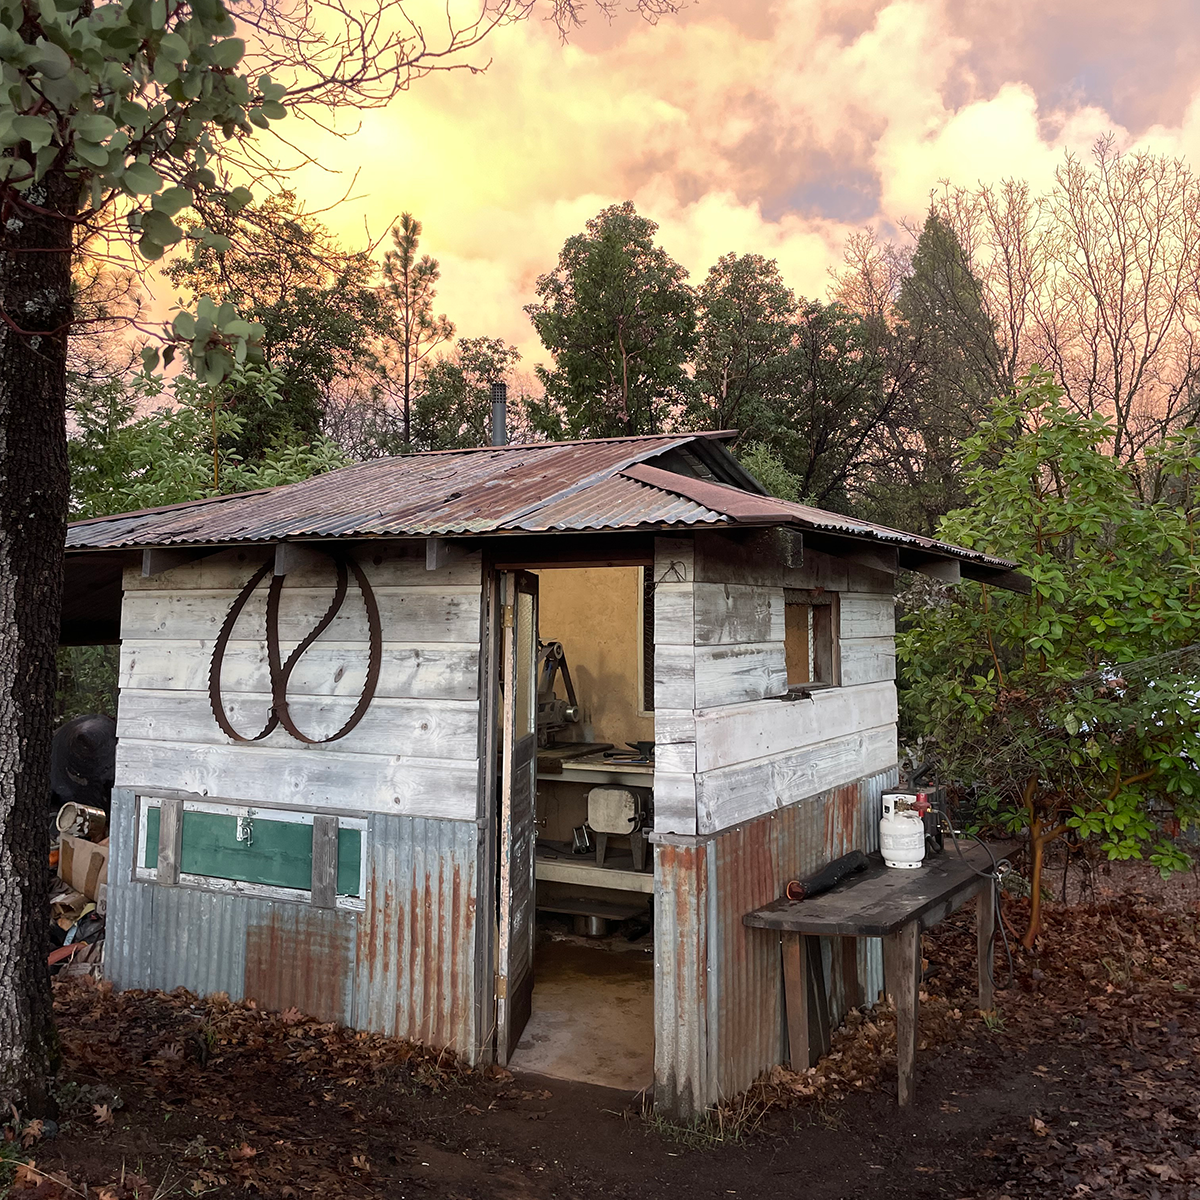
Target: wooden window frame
(645,628)
(212,883)
(825,665)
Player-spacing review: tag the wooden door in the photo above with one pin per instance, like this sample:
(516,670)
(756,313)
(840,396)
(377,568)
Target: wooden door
(518,796)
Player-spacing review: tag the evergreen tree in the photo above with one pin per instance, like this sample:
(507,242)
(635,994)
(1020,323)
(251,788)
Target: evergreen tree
(746,324)
(949,369)
(414,332)
(837,391)
(620,320)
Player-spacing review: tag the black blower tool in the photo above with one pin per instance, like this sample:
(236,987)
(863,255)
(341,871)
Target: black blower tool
(828,877)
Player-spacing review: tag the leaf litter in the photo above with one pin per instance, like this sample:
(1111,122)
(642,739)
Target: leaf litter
(1096,1045)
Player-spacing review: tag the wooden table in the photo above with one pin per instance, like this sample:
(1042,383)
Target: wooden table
(888,903)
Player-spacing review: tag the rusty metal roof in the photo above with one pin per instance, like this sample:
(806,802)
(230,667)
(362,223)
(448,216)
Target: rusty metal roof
(604,484)
(487,490)
(751,508)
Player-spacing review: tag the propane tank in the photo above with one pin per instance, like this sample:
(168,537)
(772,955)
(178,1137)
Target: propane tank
(901,831)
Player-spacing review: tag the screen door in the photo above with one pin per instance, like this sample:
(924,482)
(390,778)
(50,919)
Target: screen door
(518,795)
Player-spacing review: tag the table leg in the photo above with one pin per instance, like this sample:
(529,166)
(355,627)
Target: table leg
(795,997)
(850,981)
(819,1033)
(902,977)
(985,930)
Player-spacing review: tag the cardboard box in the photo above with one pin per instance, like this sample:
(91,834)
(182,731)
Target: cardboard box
(83,865)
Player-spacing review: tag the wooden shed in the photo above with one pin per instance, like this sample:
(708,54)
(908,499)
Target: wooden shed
(352,779)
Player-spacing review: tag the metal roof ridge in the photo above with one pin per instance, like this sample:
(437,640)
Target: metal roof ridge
(709,435)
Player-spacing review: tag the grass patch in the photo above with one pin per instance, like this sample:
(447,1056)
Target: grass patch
(722,1125)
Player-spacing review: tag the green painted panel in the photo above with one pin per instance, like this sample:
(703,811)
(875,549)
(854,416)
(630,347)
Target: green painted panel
(279,853)
(152,819)
(349,867)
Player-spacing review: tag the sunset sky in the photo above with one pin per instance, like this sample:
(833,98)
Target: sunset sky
(777,127)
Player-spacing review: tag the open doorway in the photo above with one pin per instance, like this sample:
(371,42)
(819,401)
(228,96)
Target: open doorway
(575,867)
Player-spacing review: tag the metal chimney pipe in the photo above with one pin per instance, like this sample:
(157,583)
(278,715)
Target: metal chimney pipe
(499,414)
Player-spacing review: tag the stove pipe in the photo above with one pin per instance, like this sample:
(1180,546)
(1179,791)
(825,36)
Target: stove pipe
(499,414)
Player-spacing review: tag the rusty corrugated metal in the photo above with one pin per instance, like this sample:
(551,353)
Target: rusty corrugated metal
(619,503)
(718,985)
(593,485)
(461,492)
(406,966)
(745,506)
(681,1081)
(418,940)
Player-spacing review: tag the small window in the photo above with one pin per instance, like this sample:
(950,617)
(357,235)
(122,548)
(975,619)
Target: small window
(810,638)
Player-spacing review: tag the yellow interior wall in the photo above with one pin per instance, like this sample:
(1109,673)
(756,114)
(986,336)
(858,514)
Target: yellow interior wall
(593,611)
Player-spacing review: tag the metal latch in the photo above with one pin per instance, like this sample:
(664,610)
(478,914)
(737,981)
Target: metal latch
(245,830)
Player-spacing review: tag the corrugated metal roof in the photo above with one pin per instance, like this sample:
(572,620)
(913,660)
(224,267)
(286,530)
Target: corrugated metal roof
(472,491)
(757,509)
(604,484)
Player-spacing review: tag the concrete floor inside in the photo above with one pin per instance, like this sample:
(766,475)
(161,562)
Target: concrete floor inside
(593,1014)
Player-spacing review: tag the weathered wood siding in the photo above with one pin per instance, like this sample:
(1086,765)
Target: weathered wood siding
(730,747)
(674,686)
(416,751)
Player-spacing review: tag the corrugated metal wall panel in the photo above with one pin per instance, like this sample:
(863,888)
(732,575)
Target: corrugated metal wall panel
(681,1083)
(406,966)
(126,952)
(418,939)
(719,986)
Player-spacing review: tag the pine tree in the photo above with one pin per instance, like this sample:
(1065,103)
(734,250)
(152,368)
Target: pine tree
(410,288)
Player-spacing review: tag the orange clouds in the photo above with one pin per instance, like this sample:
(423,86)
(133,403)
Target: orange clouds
(769,127)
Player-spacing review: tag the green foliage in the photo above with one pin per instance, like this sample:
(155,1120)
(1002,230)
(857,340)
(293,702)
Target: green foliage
(1076,707)
(808,384)
(87,681)
(454,406)
(837,390)
(451,407)
(315,305)
(128,101)
(746,322)
(766,466)
(121,460)
(620,321)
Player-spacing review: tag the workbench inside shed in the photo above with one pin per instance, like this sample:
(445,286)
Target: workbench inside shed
(577,884)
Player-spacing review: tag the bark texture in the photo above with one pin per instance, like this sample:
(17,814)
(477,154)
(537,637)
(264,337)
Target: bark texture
(35,311)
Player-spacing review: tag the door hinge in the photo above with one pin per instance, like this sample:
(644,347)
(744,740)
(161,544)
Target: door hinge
(508,616)
(501,987)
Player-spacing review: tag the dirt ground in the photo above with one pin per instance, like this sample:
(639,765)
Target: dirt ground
(1084,1085)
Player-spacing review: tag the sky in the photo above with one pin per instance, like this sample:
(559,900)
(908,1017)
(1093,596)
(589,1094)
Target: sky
(772,126)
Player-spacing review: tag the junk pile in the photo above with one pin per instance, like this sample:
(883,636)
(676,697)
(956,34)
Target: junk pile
(81,777)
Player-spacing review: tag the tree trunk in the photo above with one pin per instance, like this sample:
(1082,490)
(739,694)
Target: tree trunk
(35,295)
